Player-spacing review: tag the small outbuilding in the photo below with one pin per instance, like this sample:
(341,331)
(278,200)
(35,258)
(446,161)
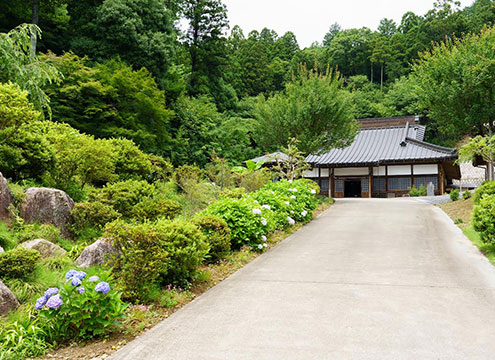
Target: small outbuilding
(386,159)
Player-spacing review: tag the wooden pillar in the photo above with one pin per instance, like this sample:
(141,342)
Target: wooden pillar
(330,182)
(441,179)
(319,177)
(370,181)
(386,179)
(412,176)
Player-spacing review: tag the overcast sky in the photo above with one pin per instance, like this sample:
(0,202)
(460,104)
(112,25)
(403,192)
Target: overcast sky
(310,19)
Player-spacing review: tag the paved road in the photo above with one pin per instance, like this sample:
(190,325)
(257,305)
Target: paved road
(369,279)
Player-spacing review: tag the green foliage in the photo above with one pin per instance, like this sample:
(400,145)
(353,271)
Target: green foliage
(186,246)
(186,175)
(20,65)
(24,338)
(124,195)
(84,315)
(219,172)
(92,214)
(111,100)
(466,195)
(454,195)
(313,109)
(144,28)
(151,209)
(252,180)
(487,188)
(484,218)
(479,147)
(169,251)
(245,226)
(15,109)
(26,232)
(233,193)
(294,164)
(454,83)
(7,238)
(418,192)
(217,234)
(18,263)
(142,260)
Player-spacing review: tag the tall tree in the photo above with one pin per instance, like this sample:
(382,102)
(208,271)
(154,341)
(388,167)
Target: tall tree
(313,109)
(207,45)
(140,32)
(335,28)
(455,84)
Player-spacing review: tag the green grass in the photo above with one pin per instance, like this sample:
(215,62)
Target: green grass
(487,249)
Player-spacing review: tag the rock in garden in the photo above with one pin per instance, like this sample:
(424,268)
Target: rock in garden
(46,248)
(8,301)
(97,253)
(5,198)
(48,206)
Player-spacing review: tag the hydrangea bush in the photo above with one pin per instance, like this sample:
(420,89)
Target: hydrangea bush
(81,307)
(275,206)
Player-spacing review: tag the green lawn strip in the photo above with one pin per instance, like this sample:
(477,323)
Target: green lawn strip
(487,249)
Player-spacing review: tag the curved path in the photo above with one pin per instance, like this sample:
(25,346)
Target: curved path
(369,279)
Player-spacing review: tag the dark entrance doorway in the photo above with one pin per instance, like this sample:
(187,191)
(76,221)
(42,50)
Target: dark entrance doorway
(352,188)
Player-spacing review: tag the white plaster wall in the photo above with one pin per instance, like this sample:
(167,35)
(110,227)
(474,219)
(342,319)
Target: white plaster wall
(425,169)
(311,173)
(399,170)
(354,171)
(379,171)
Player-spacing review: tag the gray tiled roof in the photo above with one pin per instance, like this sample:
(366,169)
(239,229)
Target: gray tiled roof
(385,145)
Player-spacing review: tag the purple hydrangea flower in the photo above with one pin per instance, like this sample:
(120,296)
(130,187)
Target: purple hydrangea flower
(102,287)
(70,274)
(80,275)
(54,302)
(40,303)
(50,292)
(81,289)
(93,278)
(75,281)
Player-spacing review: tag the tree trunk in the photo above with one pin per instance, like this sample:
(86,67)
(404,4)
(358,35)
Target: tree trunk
(35,20)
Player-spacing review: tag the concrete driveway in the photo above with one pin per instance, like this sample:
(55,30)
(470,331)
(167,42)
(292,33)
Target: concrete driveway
(369,279)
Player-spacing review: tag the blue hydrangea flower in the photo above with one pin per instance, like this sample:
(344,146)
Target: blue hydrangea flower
(40,303)
(102,287)
(54,302)
(70,274)
(50,292)
(75,281)
(80,274)
(81,289)
(93,278)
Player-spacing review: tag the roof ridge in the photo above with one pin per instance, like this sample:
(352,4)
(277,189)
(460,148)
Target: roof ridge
(431,146)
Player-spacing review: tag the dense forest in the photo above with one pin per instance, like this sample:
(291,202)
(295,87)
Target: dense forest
(127,68)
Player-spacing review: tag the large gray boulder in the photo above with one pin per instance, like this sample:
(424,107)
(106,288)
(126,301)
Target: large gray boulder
(48,206)
(46,248)
(5,198)
(97,253)
(8,301)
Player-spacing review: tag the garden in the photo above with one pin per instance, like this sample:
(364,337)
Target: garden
(138,238)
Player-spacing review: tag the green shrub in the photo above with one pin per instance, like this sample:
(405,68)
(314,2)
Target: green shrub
(487,188)
(154,208)
(187,174)
(124,195)
(130,162)
(253,180)
(421,191)
(7,238)
(484,218)
(246,227)
(186,247)
(217,234)
(143,260)
(466,195)
(90,307)
(18,263)
(161,170)
(92,214)
(18,194)
(233,193)
(26,232)
(454,195)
